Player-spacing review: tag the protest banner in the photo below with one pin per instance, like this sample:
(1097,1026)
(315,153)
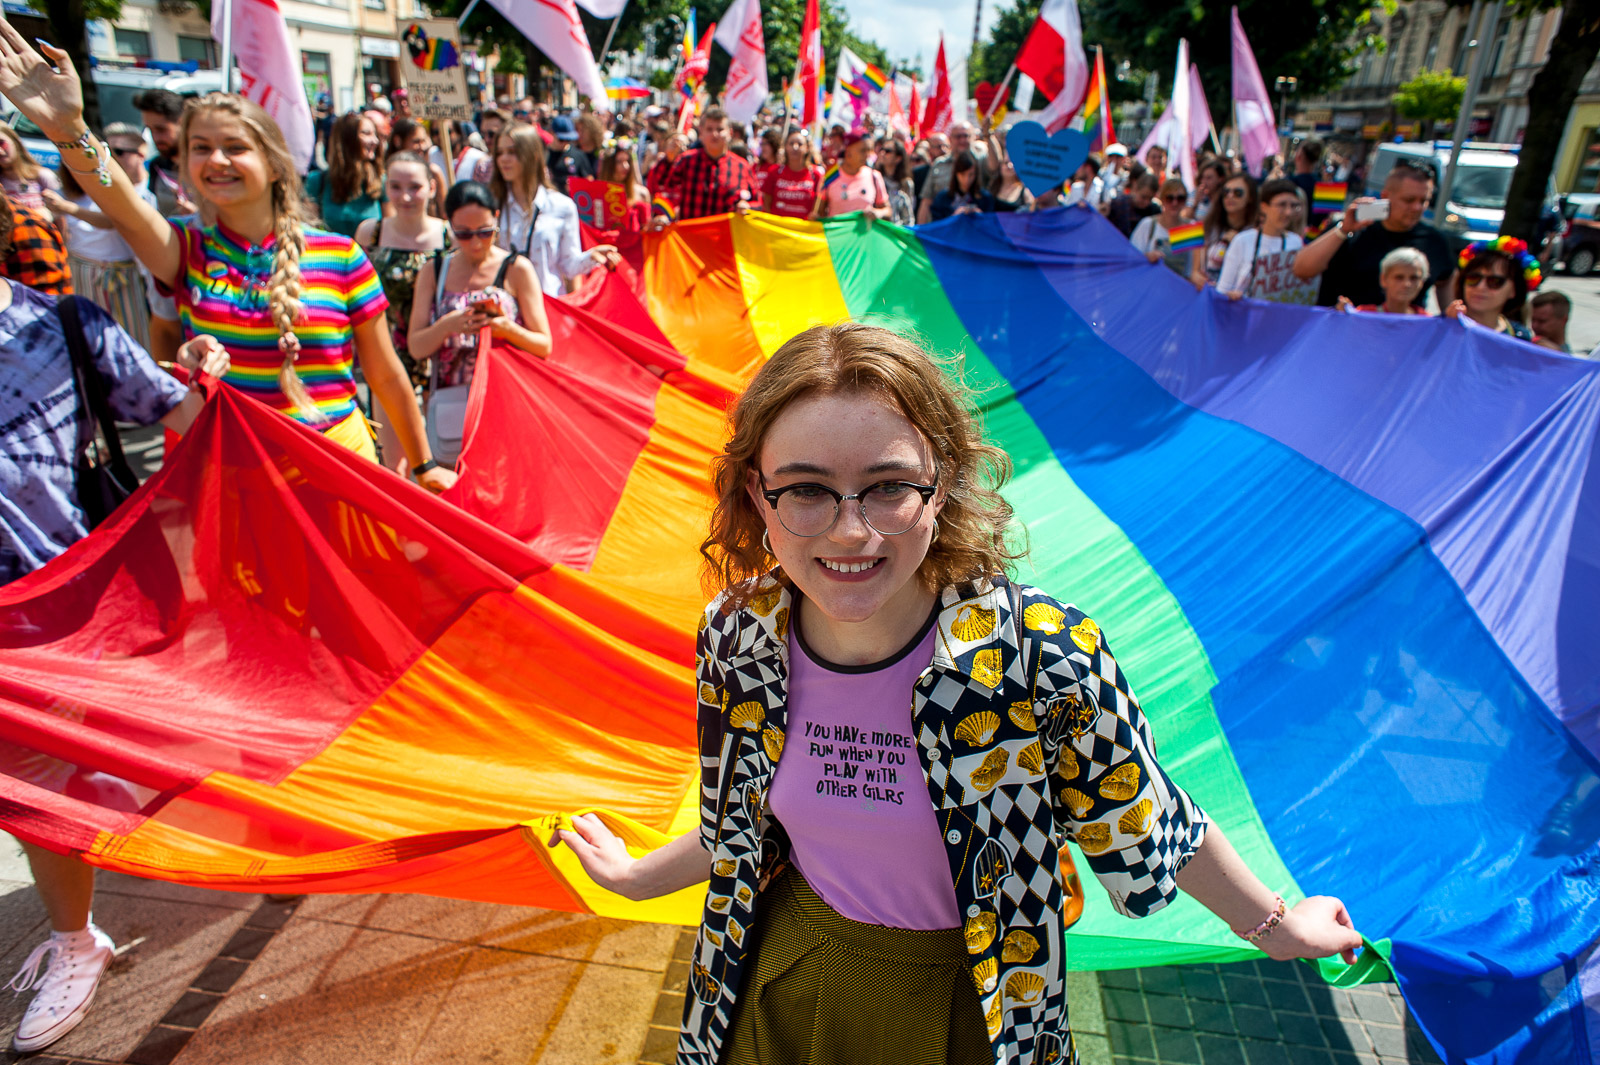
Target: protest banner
(432,69)
(602,204)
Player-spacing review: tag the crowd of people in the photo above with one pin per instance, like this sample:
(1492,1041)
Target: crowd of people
(414,246)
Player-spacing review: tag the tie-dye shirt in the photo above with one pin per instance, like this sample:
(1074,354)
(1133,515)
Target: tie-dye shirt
(224,294)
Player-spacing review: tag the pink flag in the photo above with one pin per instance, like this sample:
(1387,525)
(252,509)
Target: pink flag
(1199,114)
(269,70)
(740,34)
(1252,107)
(1053,57)
(556,30)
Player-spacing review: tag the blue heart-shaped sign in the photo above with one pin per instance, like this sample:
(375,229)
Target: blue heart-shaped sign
(1044,160)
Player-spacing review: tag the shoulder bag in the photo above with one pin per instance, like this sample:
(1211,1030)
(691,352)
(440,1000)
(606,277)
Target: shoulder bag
(104,478)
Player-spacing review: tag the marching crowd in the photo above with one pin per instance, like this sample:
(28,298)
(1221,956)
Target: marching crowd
(416,246)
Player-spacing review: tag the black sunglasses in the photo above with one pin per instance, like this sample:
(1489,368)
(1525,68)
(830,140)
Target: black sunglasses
(473,234)
(1493,282)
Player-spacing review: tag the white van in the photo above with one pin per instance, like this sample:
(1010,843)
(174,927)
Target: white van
(1477,198)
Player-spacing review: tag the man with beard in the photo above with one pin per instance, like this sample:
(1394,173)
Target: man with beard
(161,109)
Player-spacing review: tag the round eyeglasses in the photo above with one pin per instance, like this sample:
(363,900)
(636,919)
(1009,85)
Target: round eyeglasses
(888,507)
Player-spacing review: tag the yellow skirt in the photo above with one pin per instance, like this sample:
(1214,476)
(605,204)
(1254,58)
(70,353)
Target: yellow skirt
(355,433)
(821,989)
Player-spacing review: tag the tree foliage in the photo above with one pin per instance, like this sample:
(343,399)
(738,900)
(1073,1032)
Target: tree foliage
(1431,96)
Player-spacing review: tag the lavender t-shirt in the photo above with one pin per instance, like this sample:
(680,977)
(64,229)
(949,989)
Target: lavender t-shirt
(849,790)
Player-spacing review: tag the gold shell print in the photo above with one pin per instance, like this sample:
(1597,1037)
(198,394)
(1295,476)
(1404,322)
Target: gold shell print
(720,903)
(1086,634)
(725,866)
(1021,714)
(1122,783)
(1044,617)
(1077,802)
(763,602)
(978,729)
(985,973)
(993,1017)
(1019,947)
(700,626)
(743,894)
(747,716)
(986,668)
(972,623)
(780,624)
(993,768)
(708,694)
(1067,763)
(1094,838)
(1031,757)
(715,937)
(736,931)
(979,931)
(1025,988)
(772,740)
(1136,820)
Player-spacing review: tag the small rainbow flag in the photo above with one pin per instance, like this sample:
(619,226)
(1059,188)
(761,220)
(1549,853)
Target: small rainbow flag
(662,207)
(1330,195)
(831,176)
(1186,237)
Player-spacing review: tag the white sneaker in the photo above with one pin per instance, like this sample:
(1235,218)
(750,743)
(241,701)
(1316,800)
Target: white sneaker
(65,988)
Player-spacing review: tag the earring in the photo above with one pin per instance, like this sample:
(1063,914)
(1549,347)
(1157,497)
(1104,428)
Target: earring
(765,544)
(935,538)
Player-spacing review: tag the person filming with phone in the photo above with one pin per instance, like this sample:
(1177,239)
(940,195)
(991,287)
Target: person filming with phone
(1350,254)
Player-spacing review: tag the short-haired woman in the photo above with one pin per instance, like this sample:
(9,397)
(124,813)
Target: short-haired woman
(1280,206)
(860,547)
(1401,275)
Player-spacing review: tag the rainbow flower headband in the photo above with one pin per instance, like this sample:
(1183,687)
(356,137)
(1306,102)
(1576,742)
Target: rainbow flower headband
(1512,248)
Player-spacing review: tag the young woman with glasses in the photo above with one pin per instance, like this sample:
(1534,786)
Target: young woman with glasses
(895,165)
(485,286)
(1233,213)
(1151,234)
(894,737)
(1496,277)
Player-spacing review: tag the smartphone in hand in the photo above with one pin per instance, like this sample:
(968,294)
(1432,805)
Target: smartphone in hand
(1376,211)
(488,307)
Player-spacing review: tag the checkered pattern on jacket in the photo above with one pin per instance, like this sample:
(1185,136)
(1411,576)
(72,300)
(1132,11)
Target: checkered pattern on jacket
(38,258)
(701,185)
(1022,742)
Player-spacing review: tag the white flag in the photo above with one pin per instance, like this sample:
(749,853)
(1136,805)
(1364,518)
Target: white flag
(604,8)
(269,70)
(739,33)
(556,30)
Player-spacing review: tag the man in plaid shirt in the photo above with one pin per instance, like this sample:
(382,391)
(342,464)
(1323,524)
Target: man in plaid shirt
(37,256)
(710,179)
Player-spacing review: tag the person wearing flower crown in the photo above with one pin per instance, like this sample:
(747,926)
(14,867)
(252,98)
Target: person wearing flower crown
(1496,277)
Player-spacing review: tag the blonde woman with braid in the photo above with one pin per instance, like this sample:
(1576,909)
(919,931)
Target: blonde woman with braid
(293,306)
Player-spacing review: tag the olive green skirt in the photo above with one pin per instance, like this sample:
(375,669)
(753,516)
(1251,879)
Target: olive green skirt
(821,989)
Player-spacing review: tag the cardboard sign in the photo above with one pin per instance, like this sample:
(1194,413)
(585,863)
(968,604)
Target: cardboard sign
(602,204)
(431,67)
(1273,279)
(1045,161)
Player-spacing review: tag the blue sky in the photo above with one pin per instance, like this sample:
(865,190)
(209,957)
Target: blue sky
(904,27)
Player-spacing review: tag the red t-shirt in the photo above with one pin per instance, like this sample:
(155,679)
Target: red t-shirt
(793,192)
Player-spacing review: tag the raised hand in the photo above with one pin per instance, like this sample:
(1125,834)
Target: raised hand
(52,96)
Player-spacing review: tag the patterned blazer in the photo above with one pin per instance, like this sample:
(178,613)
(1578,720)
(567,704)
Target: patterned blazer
(1027,734)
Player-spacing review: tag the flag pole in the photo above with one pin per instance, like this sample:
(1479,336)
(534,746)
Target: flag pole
(612,32)
(461,19)
(1000,93)
(227,45)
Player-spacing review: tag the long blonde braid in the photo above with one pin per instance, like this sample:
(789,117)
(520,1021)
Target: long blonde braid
(284,285)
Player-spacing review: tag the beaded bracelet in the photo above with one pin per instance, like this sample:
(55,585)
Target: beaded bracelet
(1263,929)
(98,153)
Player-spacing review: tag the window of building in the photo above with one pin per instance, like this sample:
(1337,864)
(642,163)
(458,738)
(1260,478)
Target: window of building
(376,5)
(316,72)
(135,43)
(1435,31)
(1501,33)
(202,50)
(1589,163)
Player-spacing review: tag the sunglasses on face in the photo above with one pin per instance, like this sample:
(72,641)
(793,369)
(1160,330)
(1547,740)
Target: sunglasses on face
(1234,190)
(1492,282)
(1174,199)
(119,152)
(475,234)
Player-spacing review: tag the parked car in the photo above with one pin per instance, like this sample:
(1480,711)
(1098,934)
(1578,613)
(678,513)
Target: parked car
(1477,199)
(1576,241)
(117,86)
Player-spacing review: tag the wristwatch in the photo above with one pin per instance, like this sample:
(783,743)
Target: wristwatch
(431,464)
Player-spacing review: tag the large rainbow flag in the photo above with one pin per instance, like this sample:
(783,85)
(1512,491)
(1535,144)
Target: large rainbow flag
(1351,563)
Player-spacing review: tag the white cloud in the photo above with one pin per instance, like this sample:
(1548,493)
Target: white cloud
(906,27)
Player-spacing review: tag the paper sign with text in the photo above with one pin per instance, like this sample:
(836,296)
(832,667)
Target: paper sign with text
(431,65)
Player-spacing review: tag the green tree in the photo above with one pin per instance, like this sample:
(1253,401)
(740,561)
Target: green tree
(69,30)
(1432,96)
(1551,96)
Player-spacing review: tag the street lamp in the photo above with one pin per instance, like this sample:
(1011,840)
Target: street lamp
(1286,89)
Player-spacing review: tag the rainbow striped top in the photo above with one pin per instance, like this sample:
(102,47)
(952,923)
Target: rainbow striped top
(224,294)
